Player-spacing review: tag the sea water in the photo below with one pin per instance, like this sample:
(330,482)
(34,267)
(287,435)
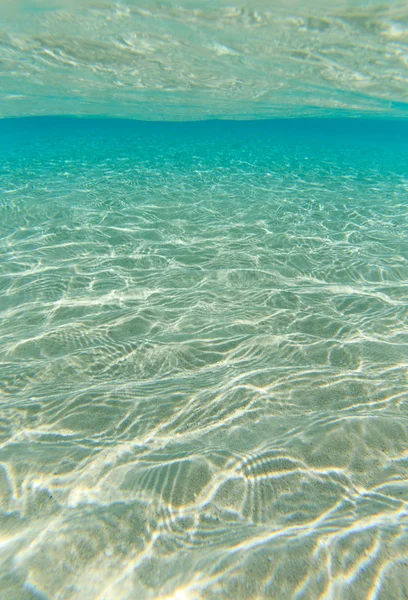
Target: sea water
(203,325)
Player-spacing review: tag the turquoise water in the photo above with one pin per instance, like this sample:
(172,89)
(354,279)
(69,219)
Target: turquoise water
(197,59)
(203,300)
(204,359)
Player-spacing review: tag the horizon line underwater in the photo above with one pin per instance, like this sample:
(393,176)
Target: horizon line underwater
(203,300)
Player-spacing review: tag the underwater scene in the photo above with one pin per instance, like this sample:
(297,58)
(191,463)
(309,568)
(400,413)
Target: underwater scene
(203,300)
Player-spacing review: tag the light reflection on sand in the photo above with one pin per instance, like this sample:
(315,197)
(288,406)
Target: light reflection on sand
(203,368)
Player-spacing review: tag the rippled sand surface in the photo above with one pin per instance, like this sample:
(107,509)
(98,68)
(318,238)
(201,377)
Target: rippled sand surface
(203,360)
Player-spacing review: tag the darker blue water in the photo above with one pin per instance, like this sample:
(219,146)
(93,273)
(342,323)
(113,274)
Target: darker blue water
(357,144)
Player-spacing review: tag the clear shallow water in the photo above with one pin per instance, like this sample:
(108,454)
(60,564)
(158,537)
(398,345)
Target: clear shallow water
(204,359)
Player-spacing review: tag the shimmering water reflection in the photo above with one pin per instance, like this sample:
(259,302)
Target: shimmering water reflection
(204,360)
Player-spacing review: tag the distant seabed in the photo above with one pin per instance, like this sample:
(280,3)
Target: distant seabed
(203,359)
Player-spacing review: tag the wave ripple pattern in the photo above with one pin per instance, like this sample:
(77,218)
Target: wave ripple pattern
(195,59)
(204,361)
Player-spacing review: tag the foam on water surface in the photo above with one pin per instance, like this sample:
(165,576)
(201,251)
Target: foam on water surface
(204,360)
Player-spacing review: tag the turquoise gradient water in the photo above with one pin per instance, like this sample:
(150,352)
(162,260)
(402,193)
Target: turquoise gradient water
(203,359)
(203,300)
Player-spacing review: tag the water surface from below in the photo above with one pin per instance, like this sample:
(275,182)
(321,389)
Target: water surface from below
(197,59)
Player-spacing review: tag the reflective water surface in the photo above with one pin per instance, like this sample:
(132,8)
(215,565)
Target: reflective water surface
(194,59)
